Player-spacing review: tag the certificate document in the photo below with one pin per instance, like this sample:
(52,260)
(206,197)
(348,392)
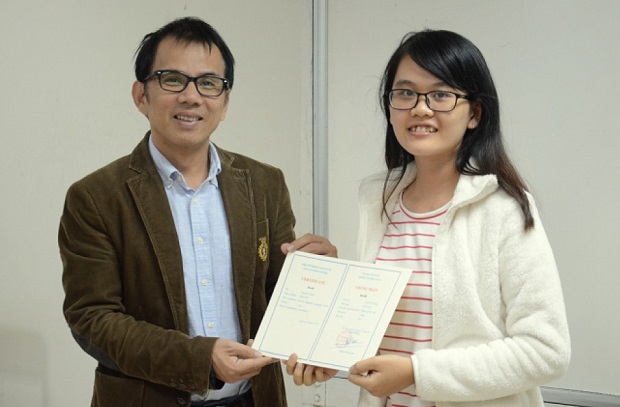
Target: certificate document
(330,312)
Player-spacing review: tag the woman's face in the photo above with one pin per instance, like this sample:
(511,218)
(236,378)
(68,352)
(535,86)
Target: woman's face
(422,132)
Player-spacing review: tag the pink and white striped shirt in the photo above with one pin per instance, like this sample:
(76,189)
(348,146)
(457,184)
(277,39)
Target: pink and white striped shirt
(408,243)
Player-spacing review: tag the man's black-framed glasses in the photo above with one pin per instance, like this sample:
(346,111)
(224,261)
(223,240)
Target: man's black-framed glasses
(437,100)
(175,81)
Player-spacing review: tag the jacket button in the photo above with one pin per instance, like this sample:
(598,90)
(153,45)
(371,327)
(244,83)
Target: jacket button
(181,401)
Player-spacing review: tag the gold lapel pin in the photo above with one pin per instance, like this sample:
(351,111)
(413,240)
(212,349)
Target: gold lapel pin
(263,248)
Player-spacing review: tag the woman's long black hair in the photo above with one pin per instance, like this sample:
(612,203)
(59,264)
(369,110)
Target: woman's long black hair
(460,64)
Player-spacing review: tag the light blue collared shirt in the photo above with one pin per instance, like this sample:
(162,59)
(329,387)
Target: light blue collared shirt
(202,229)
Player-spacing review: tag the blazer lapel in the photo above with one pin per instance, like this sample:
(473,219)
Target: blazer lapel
(152,204)
(235,186)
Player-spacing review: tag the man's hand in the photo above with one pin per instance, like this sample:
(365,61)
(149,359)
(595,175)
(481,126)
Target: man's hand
(233,361)
(310,243)
(307,374)
(387,374)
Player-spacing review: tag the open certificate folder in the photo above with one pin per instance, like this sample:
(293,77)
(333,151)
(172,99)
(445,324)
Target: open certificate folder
(330,312)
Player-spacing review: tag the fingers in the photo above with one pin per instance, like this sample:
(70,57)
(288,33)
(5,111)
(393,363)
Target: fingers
(358,380)
(256,363)
(383,375)
(290,364)
(233,361)
(362,366)
(360,376)
(310,243)
(307,374)
(314,374)
(287,248)
(326,374)
(308,377)
(243,369)
(295,369)
(320,375)
(243,351)
(363,374)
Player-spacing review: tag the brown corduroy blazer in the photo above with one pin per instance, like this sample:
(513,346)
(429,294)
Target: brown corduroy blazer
(123,277)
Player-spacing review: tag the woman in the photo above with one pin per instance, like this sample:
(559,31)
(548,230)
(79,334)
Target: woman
(482,322)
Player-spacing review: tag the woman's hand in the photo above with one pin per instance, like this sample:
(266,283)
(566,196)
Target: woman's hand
(307,374)
(383,375)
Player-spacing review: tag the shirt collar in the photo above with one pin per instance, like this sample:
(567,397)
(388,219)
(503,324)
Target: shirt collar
(169,173)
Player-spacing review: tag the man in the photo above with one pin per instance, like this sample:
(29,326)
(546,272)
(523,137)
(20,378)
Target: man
(171,254)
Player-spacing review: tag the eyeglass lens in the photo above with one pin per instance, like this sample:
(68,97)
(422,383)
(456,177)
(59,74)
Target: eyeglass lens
(440,101)
(207,85)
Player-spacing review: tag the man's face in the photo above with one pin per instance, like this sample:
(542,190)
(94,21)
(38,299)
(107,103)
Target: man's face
(182,123)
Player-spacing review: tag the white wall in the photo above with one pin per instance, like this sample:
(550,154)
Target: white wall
(66,109)
(555,63)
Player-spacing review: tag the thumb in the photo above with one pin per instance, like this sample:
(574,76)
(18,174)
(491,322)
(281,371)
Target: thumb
(287,248)
(245,352)
(361,367)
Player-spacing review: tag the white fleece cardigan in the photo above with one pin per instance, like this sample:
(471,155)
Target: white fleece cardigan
(499,322)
